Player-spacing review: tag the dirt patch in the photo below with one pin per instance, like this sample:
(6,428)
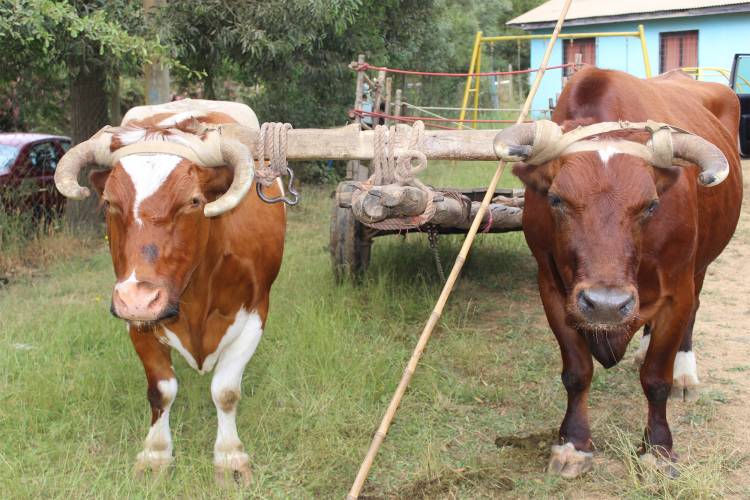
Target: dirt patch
(446,481)
(530,442)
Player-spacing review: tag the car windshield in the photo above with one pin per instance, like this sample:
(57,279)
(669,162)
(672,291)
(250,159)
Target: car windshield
(7,157)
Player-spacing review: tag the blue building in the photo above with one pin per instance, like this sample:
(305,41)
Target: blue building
(678,34)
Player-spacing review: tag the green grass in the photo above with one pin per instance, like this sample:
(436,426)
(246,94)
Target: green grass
(73,411)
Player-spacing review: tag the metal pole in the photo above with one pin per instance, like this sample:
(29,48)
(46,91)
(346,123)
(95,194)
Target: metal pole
(644,48)
(377,440)
(569,36)
(476,87)
(472,65)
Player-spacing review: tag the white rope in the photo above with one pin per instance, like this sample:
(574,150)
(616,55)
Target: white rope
(271,143)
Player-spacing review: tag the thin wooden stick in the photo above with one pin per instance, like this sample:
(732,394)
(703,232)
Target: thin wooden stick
(385,423)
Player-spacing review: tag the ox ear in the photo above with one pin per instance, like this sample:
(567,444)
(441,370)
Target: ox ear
(665,178)
(536,177)
(215,182)
(98,179)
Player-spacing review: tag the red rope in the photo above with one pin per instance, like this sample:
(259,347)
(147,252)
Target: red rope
(362,112)
(366,66)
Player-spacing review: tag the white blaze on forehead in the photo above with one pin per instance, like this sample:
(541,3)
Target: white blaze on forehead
(147,172)
(178,118)
(606,153)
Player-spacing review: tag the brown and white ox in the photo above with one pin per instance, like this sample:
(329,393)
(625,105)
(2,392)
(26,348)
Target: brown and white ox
(621,244)
(194,250)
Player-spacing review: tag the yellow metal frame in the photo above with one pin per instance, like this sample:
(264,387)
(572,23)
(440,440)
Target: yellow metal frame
(472,82)
(701,72)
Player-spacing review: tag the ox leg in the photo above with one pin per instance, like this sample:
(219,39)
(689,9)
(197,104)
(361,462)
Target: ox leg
(230,459)
(162,389)
(685,376)
(573,455)
(656,380)
(685,373)
(640,354)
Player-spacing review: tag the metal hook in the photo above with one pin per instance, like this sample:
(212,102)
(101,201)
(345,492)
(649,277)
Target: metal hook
(291,201)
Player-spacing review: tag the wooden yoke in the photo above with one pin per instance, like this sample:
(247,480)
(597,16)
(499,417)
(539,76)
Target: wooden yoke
(351,143)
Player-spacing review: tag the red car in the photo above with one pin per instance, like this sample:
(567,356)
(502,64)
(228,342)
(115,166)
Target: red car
(27,169)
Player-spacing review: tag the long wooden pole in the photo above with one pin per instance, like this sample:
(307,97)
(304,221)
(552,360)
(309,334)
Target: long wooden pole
(377,440)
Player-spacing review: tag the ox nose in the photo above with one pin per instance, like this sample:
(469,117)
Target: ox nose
(139,301)
(606,305)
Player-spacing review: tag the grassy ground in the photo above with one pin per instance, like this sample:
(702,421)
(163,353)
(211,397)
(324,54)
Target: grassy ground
(476,422)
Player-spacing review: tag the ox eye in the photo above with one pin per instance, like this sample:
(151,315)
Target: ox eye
(651,208)
(555,201)
(195,202)
(110,207)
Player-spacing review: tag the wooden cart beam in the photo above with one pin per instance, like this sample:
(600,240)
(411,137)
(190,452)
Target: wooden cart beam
(351,143)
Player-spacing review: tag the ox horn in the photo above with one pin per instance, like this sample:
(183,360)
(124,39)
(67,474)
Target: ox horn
(94,151)
(714,167)
(517,143)
(237,155)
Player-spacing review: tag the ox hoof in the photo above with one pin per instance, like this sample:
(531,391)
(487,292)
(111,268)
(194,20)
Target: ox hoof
(565,461)
(685,377)
(657,463)
(233,469)
(152,463)
(684,390)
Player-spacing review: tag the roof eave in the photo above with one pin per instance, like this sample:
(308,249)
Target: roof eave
(707,11)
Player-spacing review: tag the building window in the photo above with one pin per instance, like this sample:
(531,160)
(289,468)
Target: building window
(678,50)
(584,46)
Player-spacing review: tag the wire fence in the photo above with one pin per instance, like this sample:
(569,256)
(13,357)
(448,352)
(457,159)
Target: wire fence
(418,94)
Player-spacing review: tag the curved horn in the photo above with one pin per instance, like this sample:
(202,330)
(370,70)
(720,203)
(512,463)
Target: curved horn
(713,164)
(536,143)
(94,151)
(237,156)
(515,143)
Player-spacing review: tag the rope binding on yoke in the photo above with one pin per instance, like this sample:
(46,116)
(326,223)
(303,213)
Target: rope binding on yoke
(272,143)
(393,163)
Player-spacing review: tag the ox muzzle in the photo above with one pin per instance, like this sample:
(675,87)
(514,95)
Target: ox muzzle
(606,307)
(142,302)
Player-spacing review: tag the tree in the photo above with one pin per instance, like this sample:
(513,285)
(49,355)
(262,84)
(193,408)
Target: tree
(82,45)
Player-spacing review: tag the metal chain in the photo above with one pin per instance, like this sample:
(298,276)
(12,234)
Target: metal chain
(432,236)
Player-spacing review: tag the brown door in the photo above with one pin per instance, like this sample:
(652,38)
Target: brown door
(584,46)
(678,50)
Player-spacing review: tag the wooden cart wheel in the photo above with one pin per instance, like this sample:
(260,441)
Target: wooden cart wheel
(350,244)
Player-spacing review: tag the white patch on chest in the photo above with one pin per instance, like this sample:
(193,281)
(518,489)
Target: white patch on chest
(242,335)
(232,333)
(174,342)
(147,173)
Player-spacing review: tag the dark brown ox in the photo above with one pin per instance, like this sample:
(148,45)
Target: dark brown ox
(185,280)
(621,244)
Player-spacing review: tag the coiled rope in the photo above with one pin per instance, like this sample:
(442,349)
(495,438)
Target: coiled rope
(394,165)
(272,144)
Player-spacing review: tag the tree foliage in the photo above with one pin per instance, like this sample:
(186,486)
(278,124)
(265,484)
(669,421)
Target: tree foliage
(287,59)
(48,44)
